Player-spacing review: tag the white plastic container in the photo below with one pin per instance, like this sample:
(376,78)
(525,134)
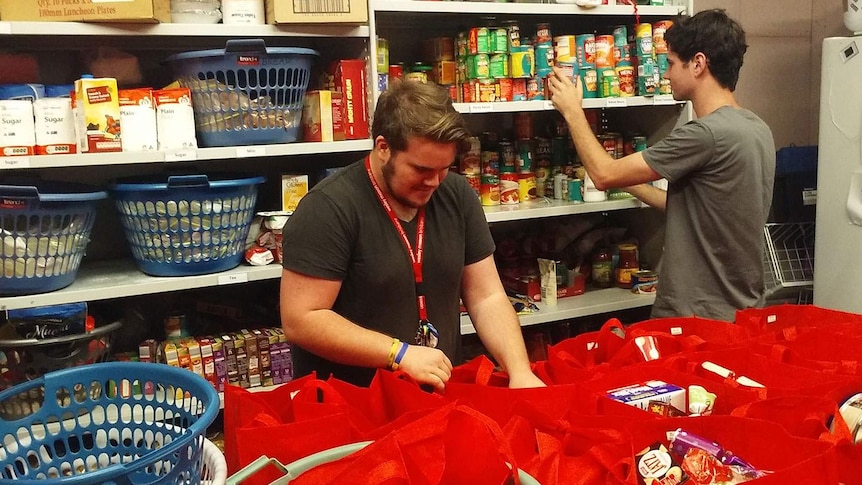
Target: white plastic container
(243,12)
(591,193)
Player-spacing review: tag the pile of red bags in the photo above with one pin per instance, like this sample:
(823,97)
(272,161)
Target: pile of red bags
(478,431)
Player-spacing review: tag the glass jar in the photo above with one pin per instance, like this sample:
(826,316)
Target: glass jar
(627,265)
(603,268)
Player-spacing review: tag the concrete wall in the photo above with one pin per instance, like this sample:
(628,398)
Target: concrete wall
(780,79)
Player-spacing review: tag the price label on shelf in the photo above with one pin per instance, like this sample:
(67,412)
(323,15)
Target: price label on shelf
(232,279)
(14,162)
(252,151)
(188,155)
(663,100)
(5,27)
(616,103)
(481,107)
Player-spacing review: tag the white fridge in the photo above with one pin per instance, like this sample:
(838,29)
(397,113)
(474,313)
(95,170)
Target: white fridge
(838,233)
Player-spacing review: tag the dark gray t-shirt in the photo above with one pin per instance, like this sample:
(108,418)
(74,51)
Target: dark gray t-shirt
(340,231)
(720,170)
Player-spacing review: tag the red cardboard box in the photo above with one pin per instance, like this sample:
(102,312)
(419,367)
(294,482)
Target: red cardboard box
(350,78)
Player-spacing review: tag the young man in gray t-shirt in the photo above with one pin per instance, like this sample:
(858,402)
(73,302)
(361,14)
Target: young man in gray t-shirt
(720,169)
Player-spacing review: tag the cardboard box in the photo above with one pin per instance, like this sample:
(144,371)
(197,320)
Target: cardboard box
(293,189)
(87,11)
(321,116)
(349,77)
(332,11)
(640,395)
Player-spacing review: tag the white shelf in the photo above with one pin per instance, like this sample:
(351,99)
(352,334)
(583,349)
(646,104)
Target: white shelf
(496,8)
(220,153)
(180,30)
(554,208)
(546,105)
(103,280)
(590,303)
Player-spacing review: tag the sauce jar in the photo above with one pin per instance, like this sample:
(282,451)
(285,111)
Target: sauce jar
(603,268)
(628,264)
(418,72)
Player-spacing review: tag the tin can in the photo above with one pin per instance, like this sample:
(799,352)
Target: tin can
(519,89)
(604,54)
(659,45)
(416,76)
(851,411)
(544,59)
(478,41)
(610,84)
(590,83)
(487,90)
(609,143)
(639,143)
(523,124)
(644,282)
(382,82)
(621,35)
(505,91)
(570,69)
(513,34)
(499,40)
(543,33)
(626,76)
(396,71)
(475,181)
(521,62)
(462,45)
(534,89)
(565,49)
(526,186)
(509,189)
(176,326)
(525,156)
(498,66)
(508,157)
(478,66)
(382,54)
(489,190)
(586,51)
(575,194)
(490,162)
(664,86)
(471,158)
(643,40)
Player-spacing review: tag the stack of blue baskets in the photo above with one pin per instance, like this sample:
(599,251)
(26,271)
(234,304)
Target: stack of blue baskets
(108,423)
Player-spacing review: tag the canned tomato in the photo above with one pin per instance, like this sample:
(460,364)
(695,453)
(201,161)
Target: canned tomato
(644,282)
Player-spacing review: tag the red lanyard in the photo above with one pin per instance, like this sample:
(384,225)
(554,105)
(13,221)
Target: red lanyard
(415,257)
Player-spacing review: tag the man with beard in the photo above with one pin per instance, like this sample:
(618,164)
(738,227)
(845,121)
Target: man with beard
(377,255)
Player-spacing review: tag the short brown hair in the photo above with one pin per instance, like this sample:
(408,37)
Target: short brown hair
(413,109)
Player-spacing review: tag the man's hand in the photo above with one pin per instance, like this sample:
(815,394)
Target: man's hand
(523,380)
(427,366)
(567,96)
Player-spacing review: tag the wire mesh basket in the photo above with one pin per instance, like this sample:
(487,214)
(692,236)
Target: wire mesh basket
(110,423)
(25,359)
(788,261)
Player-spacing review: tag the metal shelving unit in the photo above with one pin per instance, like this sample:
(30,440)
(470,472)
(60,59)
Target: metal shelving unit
(788,260)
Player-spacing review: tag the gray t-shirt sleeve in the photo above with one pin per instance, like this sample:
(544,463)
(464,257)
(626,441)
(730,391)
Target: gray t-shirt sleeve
(317,239)
(479,243)
(687,149)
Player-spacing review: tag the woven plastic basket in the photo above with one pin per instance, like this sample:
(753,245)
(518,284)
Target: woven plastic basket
(189,224)
(246,93)
(109,423)
(44,229)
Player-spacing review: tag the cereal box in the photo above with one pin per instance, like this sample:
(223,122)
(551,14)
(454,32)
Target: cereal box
(97,115)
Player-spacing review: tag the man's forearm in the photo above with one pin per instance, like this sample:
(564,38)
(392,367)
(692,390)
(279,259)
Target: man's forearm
(498,327)
(649,195)
(590,151)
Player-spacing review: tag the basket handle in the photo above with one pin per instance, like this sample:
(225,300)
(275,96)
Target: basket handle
(180,181)
(245,45)
(63,339)
(19,191)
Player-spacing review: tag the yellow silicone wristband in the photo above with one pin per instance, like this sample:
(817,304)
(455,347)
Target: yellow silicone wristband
(393,351)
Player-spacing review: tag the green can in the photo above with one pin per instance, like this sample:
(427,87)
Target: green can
(590,83)
(661,62)
(499,40)
(639,143)
(609,84)
(498,66)
(544,59)
(478,66)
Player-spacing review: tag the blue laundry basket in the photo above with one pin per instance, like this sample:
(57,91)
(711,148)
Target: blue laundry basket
(110,423)
(186,224)
(246,93)
(44,230)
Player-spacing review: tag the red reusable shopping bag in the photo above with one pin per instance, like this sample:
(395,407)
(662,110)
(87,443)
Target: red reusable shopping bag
(803,416)
(714,333)
(764,445)
(452,445)
(780,318)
